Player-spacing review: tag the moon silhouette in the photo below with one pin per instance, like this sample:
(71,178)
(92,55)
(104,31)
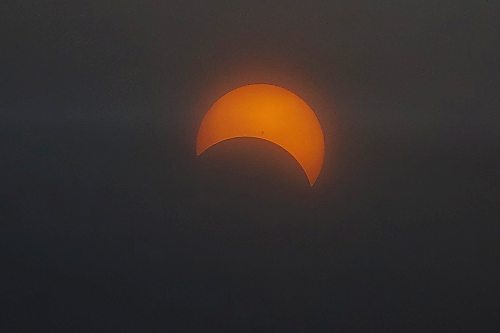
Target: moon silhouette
(270,113)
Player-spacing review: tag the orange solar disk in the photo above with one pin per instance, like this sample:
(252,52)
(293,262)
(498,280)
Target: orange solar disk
(270,113)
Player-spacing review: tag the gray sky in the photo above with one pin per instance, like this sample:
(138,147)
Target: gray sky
(110,221)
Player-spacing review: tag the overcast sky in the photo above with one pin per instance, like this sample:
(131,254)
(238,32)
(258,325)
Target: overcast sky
(109,222)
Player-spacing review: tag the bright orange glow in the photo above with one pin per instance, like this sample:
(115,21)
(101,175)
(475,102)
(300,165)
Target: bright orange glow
(266,112)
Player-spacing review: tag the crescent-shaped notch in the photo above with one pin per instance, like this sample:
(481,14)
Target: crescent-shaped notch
(266,112)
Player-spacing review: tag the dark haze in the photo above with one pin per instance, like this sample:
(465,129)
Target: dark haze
(110,223)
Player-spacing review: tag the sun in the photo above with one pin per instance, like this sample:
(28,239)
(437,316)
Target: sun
(270,113)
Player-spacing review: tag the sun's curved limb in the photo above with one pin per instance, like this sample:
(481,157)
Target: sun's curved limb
(267,112)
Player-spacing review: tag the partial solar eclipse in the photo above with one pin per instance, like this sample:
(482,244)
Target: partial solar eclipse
(269,113)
